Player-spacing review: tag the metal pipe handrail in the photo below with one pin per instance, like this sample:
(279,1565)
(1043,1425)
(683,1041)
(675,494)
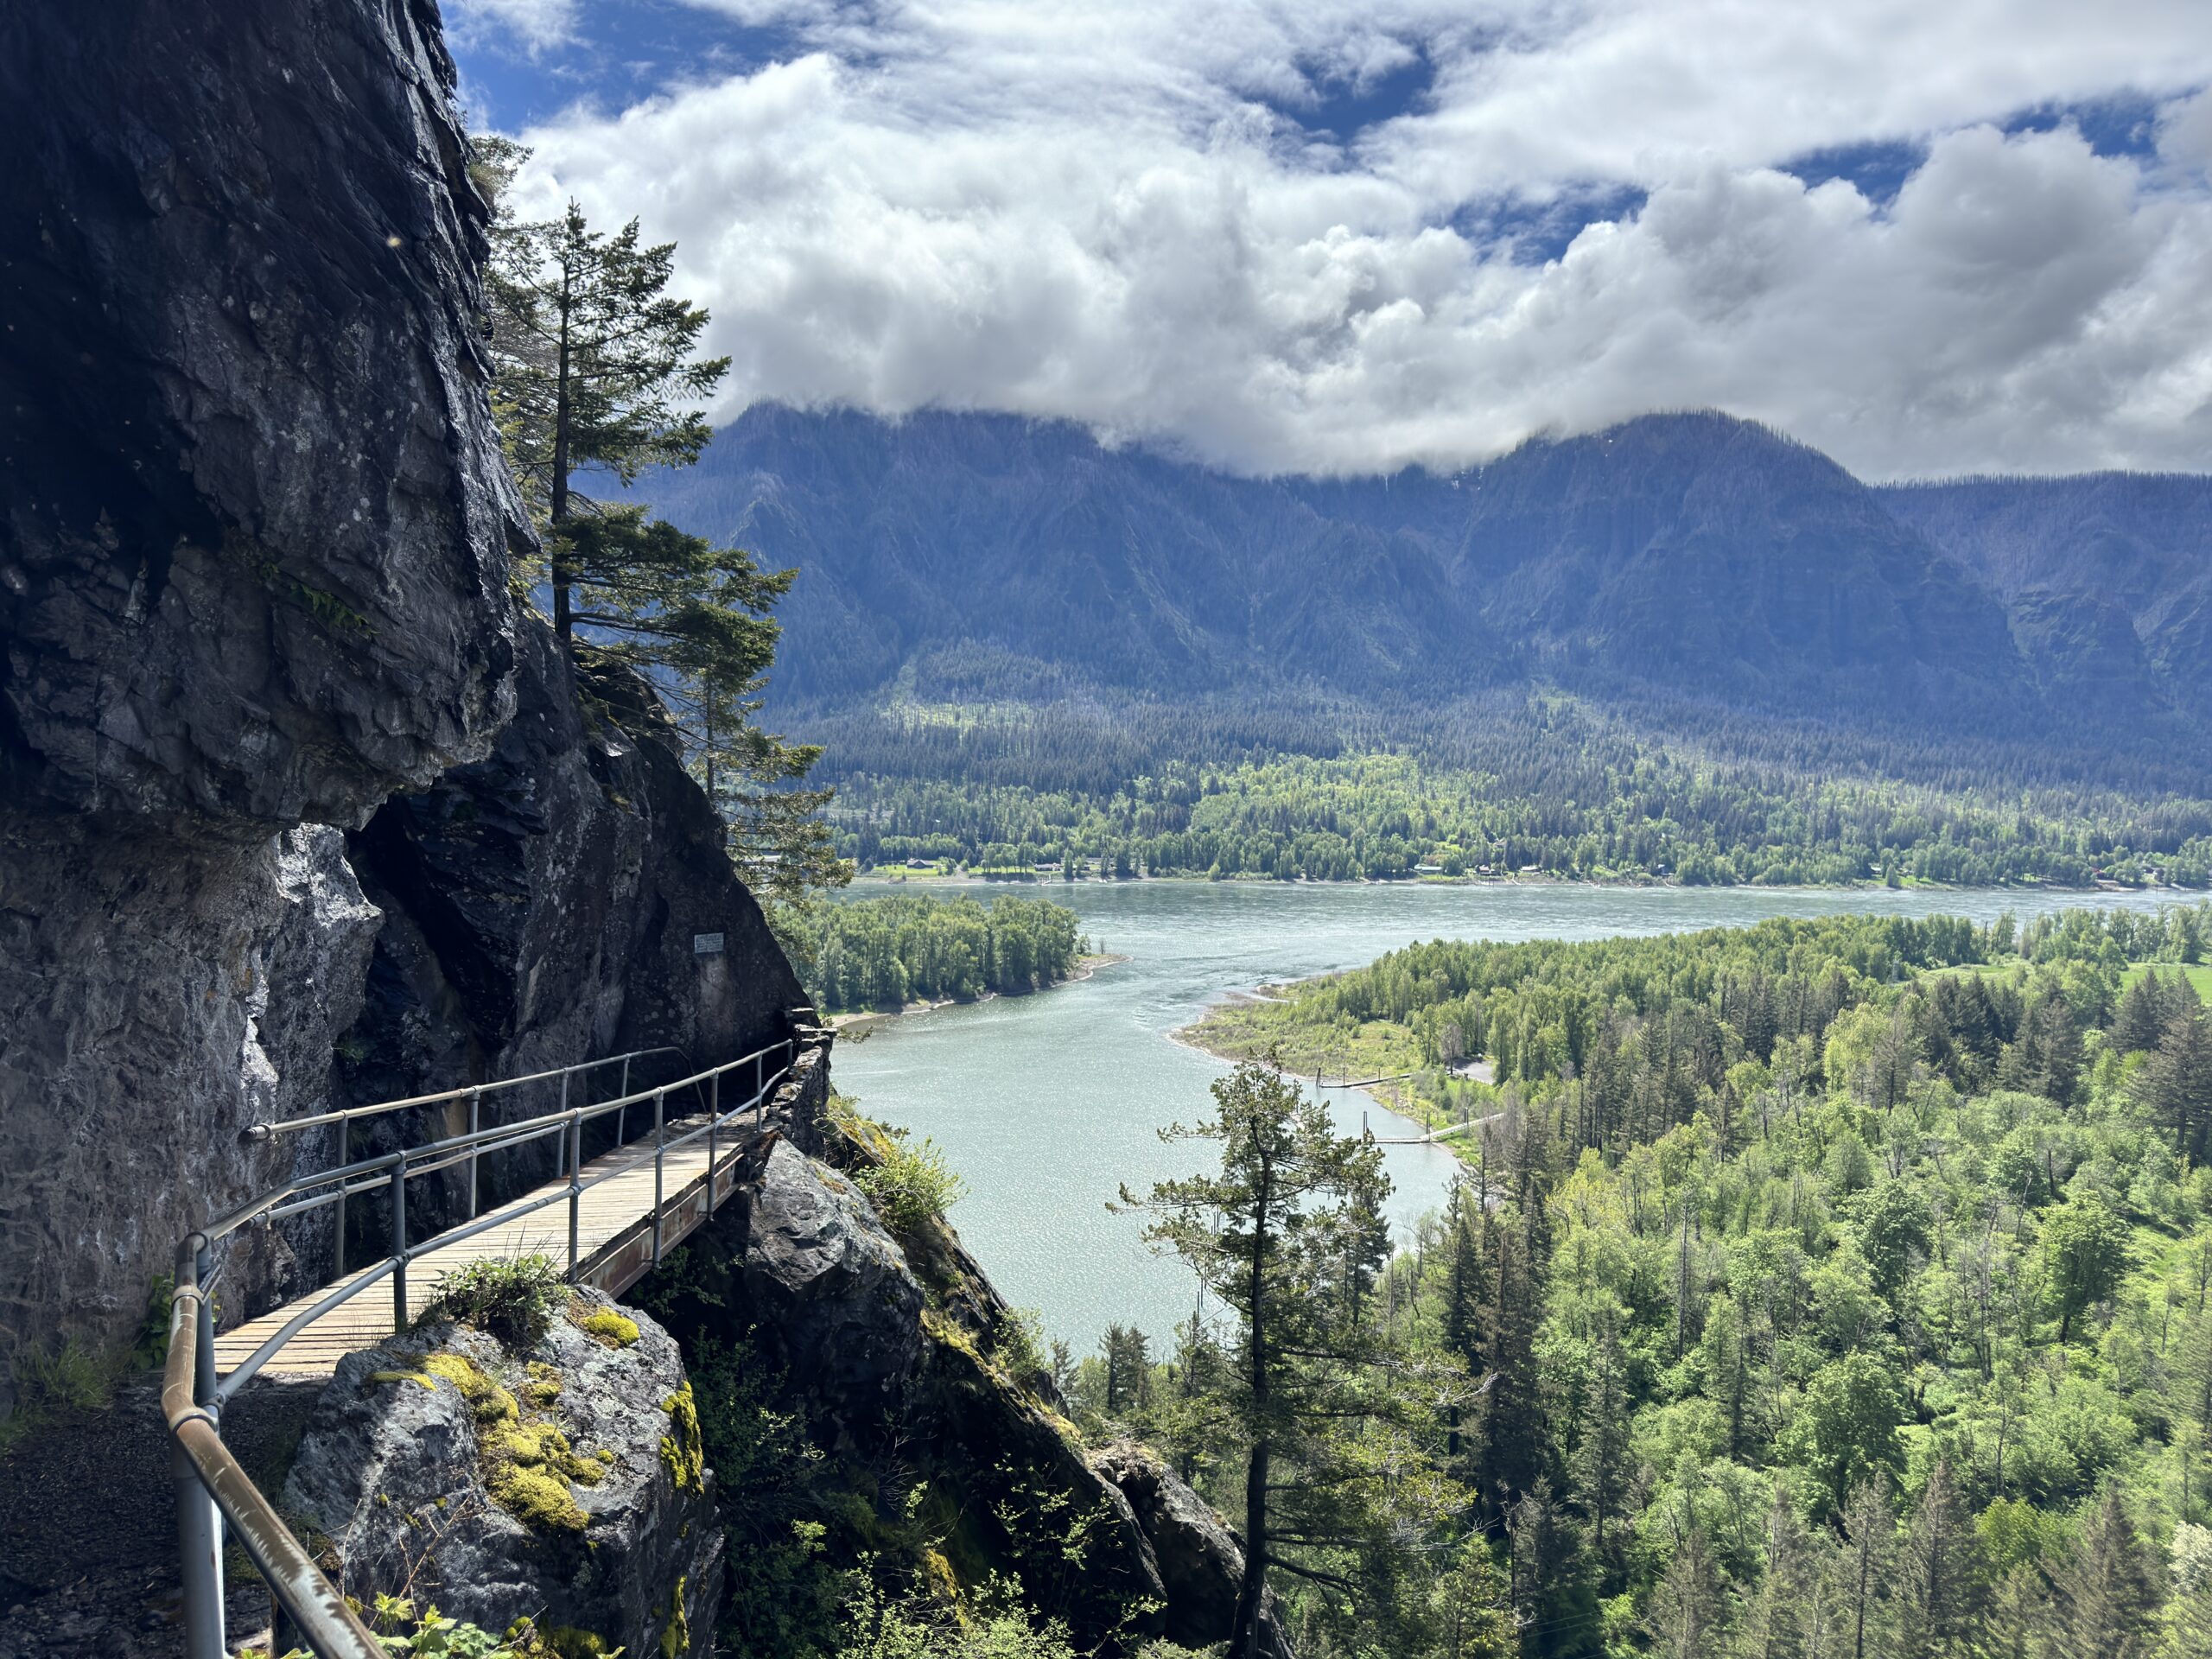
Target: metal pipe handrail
(460,1091)
(524,1129)
(213,1489)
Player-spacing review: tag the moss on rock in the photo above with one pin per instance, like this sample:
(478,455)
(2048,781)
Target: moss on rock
(605,1325)
(681,1449)
(492,1403)
(676,1637)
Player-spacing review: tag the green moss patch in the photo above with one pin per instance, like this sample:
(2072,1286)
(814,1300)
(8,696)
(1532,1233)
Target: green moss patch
(676,1637)
(492,1403)
(377,1379)
(606,1327)
(681,1449)
(529,1466)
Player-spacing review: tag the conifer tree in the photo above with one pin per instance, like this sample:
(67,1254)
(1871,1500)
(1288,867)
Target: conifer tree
(1685,1618)
(1470,1613)
(596,372)
(2141,1019)
(2103,1596)
(1869,1534)
(1775,1620)
(1268,1236)
(2176,1083)
(1941,1590)
(1601,1457)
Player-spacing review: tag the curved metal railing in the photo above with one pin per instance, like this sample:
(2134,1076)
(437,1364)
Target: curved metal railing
(212,1488)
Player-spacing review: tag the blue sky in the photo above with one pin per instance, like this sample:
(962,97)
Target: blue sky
(1340,236)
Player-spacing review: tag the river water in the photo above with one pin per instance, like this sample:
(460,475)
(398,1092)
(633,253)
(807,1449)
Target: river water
(1045,1103)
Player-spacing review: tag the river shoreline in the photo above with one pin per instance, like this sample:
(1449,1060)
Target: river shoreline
(859,1022)
(964,878)
(1189,1037)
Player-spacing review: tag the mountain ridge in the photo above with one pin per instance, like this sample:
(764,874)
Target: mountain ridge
(1688,555)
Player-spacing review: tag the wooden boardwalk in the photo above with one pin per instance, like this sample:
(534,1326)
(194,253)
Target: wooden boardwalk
(613,1249)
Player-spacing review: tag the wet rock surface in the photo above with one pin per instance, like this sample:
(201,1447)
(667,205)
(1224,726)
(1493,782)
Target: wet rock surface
(561,1482)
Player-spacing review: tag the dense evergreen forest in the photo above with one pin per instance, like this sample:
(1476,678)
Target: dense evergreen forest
(1830,1288)
(1544,784)
(884,952)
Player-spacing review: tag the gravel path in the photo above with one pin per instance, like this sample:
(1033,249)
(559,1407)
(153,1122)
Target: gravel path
(88,1527)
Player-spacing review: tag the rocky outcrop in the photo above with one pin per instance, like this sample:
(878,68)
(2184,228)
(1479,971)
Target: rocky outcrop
(254,541)
(1201,1561)
(561,1482)
(829,1286)
(256,523)
(924,1399)
(269,840)
(541,907)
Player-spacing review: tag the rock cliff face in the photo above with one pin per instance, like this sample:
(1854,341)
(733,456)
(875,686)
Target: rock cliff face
(295,808)
(540,906)
(254,535)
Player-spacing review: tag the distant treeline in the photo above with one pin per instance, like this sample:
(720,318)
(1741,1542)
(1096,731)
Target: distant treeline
(884,952)
(1581,805)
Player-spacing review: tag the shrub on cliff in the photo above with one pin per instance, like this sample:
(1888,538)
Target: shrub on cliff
(912,1185)
(512,1299)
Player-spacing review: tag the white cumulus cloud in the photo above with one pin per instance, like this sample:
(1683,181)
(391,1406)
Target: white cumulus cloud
(1128,213)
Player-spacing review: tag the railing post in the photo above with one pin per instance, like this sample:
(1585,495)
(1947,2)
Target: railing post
(759,1061)
(399,1244)
(199,1545)
(337,1245)
(199,1523)
(475,1116)
(622,1112)
(660,1157)
(575,1186)
(713,1124)
(561,1147)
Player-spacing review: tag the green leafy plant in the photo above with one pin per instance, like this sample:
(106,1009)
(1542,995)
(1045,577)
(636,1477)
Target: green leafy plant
(402,1629)
(514,1299)
(152,1349)
(912,1185)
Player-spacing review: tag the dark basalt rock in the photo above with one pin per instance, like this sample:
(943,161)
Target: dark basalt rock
(898,1355)
(1201,1560)
(828,1281)
(254,539)
(401,1471)
(256,526)
(540,906)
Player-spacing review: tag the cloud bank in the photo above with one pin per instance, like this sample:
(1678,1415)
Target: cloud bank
(1326,236)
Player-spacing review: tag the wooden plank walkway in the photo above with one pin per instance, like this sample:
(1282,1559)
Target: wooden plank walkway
(613,1249)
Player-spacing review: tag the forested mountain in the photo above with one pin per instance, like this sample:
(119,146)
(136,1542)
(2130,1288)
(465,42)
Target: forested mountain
(1684,647)
(1695,557)
(2108,576)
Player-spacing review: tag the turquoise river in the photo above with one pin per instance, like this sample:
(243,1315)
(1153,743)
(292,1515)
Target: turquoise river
(1045,1103)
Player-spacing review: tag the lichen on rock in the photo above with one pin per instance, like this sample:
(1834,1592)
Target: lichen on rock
(681,1448)
(519,1483)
